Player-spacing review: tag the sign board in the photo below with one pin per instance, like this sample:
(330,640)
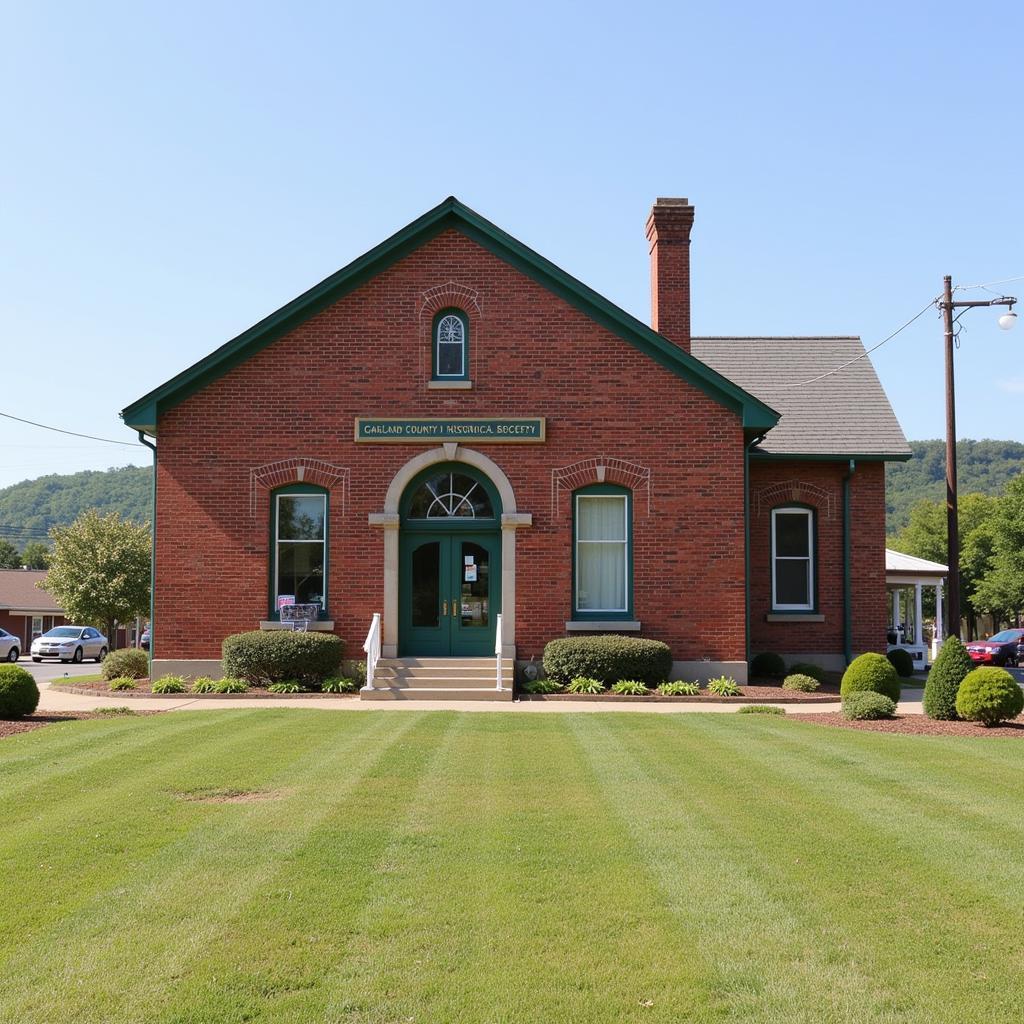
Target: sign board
(283,600)
(516,430)
(297,612)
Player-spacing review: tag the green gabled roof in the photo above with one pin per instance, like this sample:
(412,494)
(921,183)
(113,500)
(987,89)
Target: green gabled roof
(144,413)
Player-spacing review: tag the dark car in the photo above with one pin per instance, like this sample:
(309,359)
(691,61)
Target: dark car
(1001,649)
(144,639)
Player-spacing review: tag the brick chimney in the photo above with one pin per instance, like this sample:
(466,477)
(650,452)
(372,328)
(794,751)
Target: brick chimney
(668,231)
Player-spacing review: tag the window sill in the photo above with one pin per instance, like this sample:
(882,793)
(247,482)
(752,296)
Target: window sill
(320,626)
(602,626)
(794,617)
(449,385)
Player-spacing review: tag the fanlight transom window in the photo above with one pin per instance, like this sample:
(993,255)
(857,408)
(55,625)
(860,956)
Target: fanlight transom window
(451,496)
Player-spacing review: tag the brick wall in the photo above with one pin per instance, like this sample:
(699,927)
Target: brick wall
(820,486)
(369,355)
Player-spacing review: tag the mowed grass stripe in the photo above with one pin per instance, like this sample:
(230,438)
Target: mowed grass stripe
(831,857)
(168,910)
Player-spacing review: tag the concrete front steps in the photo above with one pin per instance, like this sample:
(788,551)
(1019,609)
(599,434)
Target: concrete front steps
(440,679)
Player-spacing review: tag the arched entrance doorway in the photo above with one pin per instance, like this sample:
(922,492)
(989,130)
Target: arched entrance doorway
(449,589)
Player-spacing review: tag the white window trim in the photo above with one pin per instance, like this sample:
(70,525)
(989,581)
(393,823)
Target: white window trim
(463,373)
(809,559)
(278,541)
(625,555)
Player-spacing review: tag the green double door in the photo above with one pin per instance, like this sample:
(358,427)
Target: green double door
(449,593)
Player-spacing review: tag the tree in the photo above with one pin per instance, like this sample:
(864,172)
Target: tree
(9,556)
(944,679)
(100,570)
(36,555)
(1002,589)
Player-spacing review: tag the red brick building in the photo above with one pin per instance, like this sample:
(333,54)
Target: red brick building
(452,427)
(27,611)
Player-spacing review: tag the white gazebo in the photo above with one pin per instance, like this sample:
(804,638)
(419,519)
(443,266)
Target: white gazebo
(905,574)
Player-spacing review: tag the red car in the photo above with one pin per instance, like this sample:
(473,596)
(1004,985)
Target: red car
(1000,649)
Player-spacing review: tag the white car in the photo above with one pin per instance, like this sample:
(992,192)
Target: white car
(10,646)
(70,643)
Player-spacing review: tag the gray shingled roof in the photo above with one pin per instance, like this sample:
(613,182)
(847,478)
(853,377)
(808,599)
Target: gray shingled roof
(18,591)
(846,413)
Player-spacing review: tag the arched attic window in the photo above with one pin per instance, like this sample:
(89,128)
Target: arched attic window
(451,345)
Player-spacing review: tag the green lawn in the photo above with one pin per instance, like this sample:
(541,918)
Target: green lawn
(428,867)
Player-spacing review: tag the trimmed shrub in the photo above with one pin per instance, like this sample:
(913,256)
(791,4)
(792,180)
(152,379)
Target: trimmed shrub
(19,694)
(807,668)
(944,679)
(169,684)
(273,656)
(204,684)
(873,673)
(542,686)
(122,683)
(630,688)
(867,705)
(902,662)
(989,695)
(130,662)
(608,658)
(583,684)
(340,684)
(760,709)
(768,664)
(680,688)
(800,683)
(724,686)
(229,685)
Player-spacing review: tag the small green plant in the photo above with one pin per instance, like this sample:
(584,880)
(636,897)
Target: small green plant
(630,688)
(115,712)
(130,661)
(760,709)
(122,683)
(768,664)
(679,688)
(340,684)
(901,660)
(871,672)
(866,705)
(724,686)
(229,685)
(944,679)
(542,686)
(800,683)
(807,668)
(169,684)
(285,686)
(19,694)
(204,684)
(584,684)
(989,695)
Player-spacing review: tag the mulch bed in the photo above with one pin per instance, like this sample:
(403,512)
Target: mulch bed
(142,689)
(11,727)
(916,725)
(752,694)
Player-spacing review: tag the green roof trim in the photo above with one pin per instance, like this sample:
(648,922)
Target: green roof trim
(144,413)
(828,457)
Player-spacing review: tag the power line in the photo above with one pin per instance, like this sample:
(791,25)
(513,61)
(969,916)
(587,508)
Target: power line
(865,353)
(71,433)
(985,284)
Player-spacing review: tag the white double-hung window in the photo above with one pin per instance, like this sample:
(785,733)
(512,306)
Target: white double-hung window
(793,559)
(603,569)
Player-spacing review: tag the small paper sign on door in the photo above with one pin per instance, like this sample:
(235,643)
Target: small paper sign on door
(471,574)
(469,559)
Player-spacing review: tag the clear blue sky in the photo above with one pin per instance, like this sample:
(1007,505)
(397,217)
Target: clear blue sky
(172,174)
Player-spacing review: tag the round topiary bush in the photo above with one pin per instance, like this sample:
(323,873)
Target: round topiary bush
(866,705)
(806,668)
(19,695)
(871,672)
(901,660)
(800,683)
(944,679)
(272,656)
(608,659)
(131,662)
(768,664)
(989,695)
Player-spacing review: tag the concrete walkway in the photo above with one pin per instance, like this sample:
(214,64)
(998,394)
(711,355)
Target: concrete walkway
(54,699)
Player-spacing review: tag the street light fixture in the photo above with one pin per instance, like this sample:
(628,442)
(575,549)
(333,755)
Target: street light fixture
(1006,321)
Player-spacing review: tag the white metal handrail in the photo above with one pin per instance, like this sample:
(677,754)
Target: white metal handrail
(497,646)
(372,648)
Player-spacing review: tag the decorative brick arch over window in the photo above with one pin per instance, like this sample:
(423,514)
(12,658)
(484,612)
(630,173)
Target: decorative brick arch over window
(599,470)
(299,471)
(797,491)
(450,295)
